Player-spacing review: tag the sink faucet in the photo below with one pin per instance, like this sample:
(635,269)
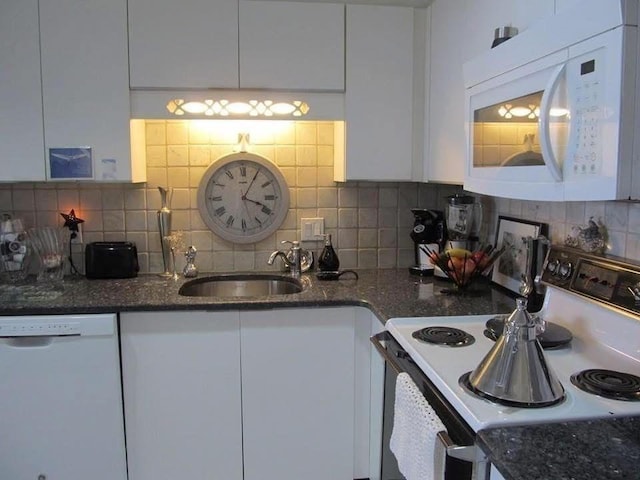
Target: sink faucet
(292,260)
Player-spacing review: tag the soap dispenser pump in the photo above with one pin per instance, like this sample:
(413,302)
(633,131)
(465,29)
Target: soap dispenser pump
(328,261)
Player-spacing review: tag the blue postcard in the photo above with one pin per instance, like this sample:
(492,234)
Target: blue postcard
(70,163)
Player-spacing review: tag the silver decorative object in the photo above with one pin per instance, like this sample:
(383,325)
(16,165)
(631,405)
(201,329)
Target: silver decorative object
(591,238)
(164,227)
(190,270)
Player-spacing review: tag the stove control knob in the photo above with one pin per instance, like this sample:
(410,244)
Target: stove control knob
(565,270)
(552,266)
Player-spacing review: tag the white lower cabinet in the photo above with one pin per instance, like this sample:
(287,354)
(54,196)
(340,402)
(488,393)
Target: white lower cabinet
(298,394)
(181,386)
(256,395)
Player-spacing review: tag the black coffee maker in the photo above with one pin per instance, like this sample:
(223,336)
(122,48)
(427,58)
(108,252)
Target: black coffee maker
(428,233)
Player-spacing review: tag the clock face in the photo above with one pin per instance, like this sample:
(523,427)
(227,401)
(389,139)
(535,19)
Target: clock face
(243,198)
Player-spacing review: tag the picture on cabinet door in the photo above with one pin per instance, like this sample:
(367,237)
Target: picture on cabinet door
(70,163)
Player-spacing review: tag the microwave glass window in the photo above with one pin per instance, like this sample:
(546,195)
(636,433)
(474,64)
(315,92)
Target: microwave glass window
(507,134)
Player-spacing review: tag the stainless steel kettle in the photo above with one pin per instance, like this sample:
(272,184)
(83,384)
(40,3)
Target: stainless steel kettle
(515,371)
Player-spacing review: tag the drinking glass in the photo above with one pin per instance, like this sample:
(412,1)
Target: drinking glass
(50,244)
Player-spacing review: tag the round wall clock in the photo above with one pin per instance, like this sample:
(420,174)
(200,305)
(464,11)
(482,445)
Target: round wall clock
(243,198)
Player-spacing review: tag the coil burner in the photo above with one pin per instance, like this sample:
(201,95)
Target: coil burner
(608,384)
(452,337)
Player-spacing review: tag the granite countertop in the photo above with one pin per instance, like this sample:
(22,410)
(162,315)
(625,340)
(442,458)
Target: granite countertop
(605,449)
(554,451)
(387,293)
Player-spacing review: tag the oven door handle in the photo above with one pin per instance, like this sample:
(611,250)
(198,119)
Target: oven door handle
(377,340)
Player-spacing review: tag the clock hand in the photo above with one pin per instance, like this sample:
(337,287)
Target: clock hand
(250,184)
(253,201)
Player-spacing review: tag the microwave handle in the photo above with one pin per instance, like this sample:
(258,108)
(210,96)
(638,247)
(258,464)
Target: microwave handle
(545,141)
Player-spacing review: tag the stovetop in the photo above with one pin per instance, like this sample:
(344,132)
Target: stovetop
(603,338)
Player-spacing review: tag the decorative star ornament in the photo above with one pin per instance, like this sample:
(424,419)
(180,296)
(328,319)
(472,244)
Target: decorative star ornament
(72,222)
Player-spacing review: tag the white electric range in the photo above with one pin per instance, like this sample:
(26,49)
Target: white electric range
(593,298)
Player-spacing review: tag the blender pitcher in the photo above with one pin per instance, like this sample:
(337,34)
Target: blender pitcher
(464,215)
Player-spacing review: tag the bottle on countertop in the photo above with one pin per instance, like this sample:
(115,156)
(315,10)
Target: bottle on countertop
(328,261)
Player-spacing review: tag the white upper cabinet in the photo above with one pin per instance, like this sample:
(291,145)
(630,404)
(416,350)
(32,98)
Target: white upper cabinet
(291,46)
(64,83)
(379,98)
(200,44)
(21,135)
(186,44)
(457,32)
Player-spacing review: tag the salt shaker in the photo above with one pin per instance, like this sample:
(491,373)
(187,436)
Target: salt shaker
(190,270)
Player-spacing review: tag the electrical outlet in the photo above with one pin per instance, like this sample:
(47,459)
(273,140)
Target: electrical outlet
(312,229)
(78,237)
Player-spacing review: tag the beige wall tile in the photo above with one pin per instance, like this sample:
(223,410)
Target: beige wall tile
(306,177)
(285,155)
(306,155)
(306,133)
(156,156)
(177,132)
(178,177)
(155,133)
(325,133)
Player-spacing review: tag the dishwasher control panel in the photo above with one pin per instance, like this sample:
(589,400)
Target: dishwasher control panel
(39,329)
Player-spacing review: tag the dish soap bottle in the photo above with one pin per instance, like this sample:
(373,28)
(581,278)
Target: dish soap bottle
(328,261)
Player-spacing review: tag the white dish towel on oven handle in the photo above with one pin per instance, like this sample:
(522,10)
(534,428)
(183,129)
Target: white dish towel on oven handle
(414,442)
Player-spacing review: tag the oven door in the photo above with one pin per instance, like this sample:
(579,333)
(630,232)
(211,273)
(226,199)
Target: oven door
(464,459)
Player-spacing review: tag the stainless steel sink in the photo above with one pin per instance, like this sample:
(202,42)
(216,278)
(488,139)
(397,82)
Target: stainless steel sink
(241,285)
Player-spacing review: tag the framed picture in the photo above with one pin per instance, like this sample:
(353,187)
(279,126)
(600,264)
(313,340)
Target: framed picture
(512,233)
(73,163)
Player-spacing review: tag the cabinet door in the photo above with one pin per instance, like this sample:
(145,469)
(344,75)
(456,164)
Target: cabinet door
(291,46)
(186,44)
(21,135)
(85,84)
(379,94)
(181,383)
(448,49)
(298,394)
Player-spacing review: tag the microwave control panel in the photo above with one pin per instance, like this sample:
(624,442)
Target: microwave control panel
(586,92)
(610,280)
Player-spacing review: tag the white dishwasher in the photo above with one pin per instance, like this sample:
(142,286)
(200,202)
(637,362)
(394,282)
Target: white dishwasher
(61,414)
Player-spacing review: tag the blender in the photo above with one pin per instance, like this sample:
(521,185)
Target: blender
(463,215)
(428,231)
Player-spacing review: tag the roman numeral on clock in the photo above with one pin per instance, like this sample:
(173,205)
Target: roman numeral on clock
(220,211)
(228,174)
(266,184)
(266,210)
(244,224)
(230,221)
(243,171)
(269,197)
(217,198)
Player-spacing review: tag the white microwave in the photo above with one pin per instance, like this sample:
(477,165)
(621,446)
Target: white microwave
(552,114)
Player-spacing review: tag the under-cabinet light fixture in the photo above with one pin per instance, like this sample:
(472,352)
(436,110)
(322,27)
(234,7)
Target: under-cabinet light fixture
(228,108)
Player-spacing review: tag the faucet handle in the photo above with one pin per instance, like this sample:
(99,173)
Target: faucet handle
(294,243)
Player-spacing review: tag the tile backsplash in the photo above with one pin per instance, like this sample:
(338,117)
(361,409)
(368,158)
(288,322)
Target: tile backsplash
(370,221)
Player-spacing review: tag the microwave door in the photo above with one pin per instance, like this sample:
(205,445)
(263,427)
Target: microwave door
(508,143)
